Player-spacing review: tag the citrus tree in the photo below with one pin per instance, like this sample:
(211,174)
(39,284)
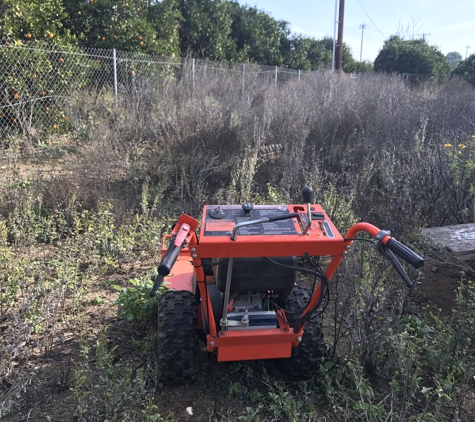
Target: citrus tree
(35,80)
(32,20)
(205,30)
(129,25)
(414,57)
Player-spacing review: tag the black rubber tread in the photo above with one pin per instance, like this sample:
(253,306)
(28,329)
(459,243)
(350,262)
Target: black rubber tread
(177,336)
(307,357)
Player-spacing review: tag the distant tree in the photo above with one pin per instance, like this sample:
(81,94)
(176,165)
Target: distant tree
(363,67)
(205,29)
(257,36)
(453,58)
(412,57)
(466,69)
(305,53)
(350,65)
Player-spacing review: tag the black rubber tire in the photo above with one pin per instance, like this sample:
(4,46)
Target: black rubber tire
(177,336)
(307,357)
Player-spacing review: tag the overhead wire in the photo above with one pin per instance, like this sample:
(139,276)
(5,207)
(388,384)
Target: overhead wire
(369,17)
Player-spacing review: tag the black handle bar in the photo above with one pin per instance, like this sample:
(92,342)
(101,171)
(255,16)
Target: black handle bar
(405,253)
(284,216)
(169,259)
(165,267)
(396,264)
(157,283)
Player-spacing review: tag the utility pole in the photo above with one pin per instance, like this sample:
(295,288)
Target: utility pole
(339,56)
(424,36)
(334,36)
(466,52)
(362,27)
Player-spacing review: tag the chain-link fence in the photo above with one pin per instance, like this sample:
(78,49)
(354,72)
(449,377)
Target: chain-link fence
(36,82)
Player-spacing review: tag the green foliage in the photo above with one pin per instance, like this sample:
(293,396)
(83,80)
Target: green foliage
(30,20)
(453,58)
(135,25)
(461,163)
(135,302)
(414,57)
(205,29)
(257,36)
(109,389)
(306,53)
(34,83)
(466,69)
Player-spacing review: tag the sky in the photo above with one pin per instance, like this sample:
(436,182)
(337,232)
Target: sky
(446,24)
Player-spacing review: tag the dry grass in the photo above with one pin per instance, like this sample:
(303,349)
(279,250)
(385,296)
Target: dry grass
(371,147)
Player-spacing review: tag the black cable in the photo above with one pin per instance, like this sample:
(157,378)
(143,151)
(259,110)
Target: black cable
(359,238)
(316,274)
(303,270)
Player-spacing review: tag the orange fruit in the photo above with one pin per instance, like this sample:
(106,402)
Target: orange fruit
(43,93)
(141,43)
(14,120)
(140,37)
(47,108)
(55,127)
(132,72)
(16,96)
(79,12)
(126,4)
(61,60)
(13,88)
(28,35)
(103,38)
(34,75)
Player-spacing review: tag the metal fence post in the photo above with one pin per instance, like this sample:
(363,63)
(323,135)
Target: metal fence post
(299,74)
(243,69)
(275,82)
(114,58)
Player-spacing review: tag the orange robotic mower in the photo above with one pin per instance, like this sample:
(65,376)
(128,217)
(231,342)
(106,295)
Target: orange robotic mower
(235,284)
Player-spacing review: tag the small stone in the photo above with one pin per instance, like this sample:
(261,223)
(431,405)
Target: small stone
(434,269)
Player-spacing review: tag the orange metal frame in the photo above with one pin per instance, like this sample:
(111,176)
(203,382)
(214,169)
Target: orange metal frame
(261,343)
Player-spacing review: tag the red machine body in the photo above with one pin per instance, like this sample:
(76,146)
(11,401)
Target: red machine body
(234,233)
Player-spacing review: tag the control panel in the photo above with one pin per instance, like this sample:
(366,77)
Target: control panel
(219,220)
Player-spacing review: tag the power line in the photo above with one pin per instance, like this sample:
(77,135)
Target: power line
(369,17)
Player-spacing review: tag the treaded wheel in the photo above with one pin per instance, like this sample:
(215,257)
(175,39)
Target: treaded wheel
(307,356)
(177,336)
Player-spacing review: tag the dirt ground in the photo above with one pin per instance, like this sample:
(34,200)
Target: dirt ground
(49,398)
